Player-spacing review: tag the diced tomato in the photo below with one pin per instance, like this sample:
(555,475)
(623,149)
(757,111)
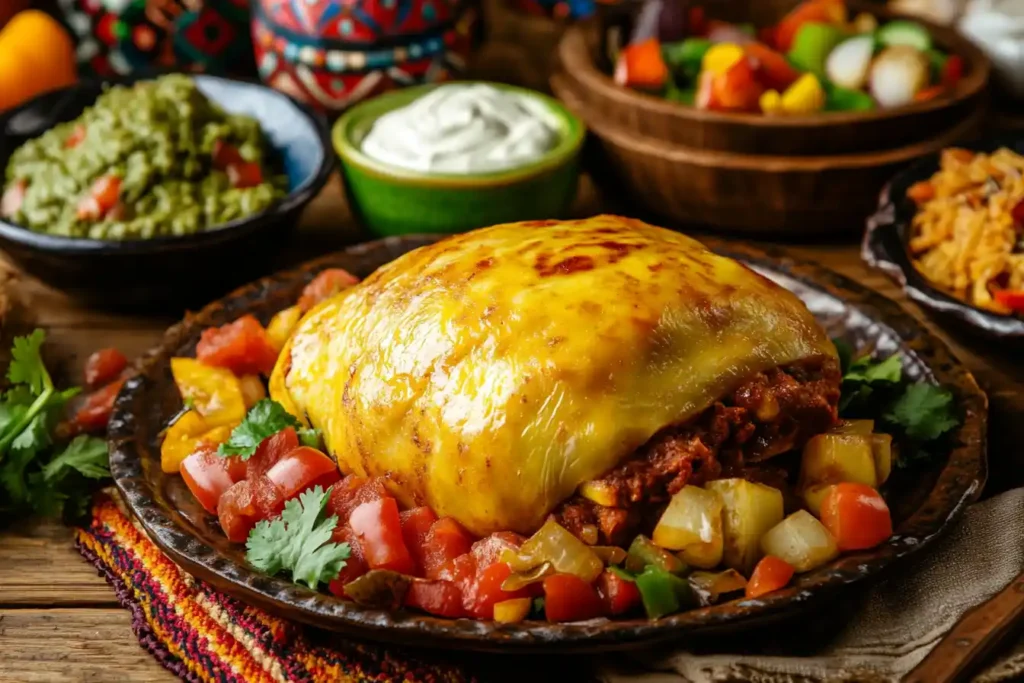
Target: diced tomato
(461,571)
(415,526)
(921,192)
(102,197)
(1011,298)
(271,450)
(94,414)
(570,598)
(618,595)
(75,138)
(245,174)
(770,574)
(770,68)
(297,469)
(737,89)
(241,346)
(326,284)
(480,595)
(441,598)
(244,504)
(379,529)
(445,541)
(488,550)
(642,66)
(225,154)
(353,491)
(856,515)
(104,366)
(207,476)
(952,71)
(326,480)
(14,197)
(355,565)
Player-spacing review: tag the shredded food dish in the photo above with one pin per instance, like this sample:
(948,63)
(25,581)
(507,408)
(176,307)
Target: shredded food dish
(968,234)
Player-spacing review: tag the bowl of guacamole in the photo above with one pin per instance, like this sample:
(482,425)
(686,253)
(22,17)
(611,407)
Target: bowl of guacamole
(151,189)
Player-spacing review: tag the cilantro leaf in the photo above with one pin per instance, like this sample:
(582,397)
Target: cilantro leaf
(27,363)
(924,411)
(869,371)
(299,542)
(265,419)
(310,437)
(86,455)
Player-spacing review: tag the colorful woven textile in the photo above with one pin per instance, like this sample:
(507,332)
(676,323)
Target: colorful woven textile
(204,636)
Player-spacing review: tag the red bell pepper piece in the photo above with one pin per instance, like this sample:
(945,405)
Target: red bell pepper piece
(379,529)
(770,574)
(300,469)
(208,475)
(445,541)
(1011,298)
(441,598)
(736,89)
(104,366)
(241,346)
(641,66)
(328,283)
(619,595)
(570,598)
(770,68)
(856,515)
(484,591)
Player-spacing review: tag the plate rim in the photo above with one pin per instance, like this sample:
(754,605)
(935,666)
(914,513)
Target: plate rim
(301,604)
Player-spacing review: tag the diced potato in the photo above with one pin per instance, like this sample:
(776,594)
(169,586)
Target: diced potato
(692,524)
(833,458)
(881,448)
(512,611)
(600,493)
(252,390)
(814,496)
(749,510)
(802,541)
(215,393)
(282,325)
(853,427)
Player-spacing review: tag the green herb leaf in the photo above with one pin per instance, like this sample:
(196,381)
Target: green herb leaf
(27,363)
(299,542)
(845,351)
(265,419)
(86,455)
(310,437)
(869,371)
(924,411)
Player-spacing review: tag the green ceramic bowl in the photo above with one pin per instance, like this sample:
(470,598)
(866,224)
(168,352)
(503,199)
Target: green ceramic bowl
(396,201)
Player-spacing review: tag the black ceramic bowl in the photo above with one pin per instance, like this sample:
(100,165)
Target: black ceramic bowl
(885,247)
(172,271)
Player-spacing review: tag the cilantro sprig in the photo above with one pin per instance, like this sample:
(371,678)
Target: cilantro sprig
(299,542)
(917,413)
(39,475)
(266,418)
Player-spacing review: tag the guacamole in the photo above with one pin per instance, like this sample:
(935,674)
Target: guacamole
(150,160)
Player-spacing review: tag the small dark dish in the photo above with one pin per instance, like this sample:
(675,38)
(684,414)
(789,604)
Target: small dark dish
(925,501)
(172,270)
(886,241)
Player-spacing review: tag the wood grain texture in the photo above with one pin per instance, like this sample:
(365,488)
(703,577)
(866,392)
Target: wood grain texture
(86,645)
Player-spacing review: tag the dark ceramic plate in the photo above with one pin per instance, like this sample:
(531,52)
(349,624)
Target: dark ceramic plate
(888,234)
(172,270)
(925,502)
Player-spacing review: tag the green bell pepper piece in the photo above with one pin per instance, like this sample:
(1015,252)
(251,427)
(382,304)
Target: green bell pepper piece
(812,45)
(684,58)
(664,593)
(844,99)
(643,553)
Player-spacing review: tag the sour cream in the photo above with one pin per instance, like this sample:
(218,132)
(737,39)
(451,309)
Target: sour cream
(464,129)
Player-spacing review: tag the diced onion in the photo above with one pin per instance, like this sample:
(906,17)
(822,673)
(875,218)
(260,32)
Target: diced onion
(802,541)
(692,524)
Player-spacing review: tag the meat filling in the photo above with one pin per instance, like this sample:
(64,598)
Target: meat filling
(774,412)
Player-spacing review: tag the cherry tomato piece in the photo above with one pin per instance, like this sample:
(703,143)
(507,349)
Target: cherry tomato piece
(445,541)
(379,529)
(619,595)
(104,366)
(326,284)
(415,526)
(94,414)
(856,515)
(297,469)
(440,598)
(770,574)
(570,598)
(241,346)
(271,450)
(207,476)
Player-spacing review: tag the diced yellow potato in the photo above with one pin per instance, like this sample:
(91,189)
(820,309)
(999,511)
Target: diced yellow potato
(814,496)
(834,458)
(749,510)
(692,524)
(512,611)
(215,393)
(881,448)
(282,325)
(802,541)
(599,492)
(252,390)
(853,427)
(180,440)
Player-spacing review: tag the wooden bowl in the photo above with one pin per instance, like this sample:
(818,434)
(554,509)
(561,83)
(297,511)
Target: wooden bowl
(768,195)
(818,134)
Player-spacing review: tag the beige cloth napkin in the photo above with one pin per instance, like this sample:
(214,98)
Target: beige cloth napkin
(886,631)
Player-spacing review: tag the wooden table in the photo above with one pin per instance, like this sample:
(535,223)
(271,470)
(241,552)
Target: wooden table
(60,621)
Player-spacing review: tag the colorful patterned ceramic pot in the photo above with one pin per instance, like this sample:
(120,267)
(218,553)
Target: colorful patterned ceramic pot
(121,37)
(331,54)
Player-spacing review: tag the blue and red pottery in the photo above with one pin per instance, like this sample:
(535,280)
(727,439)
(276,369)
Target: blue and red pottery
(331,54)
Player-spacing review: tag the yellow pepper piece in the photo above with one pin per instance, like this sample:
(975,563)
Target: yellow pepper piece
(721,57)
(182,438)
(771,102)
(512,611)
(216,393)
(281,326)
(252,390)
(804,96)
